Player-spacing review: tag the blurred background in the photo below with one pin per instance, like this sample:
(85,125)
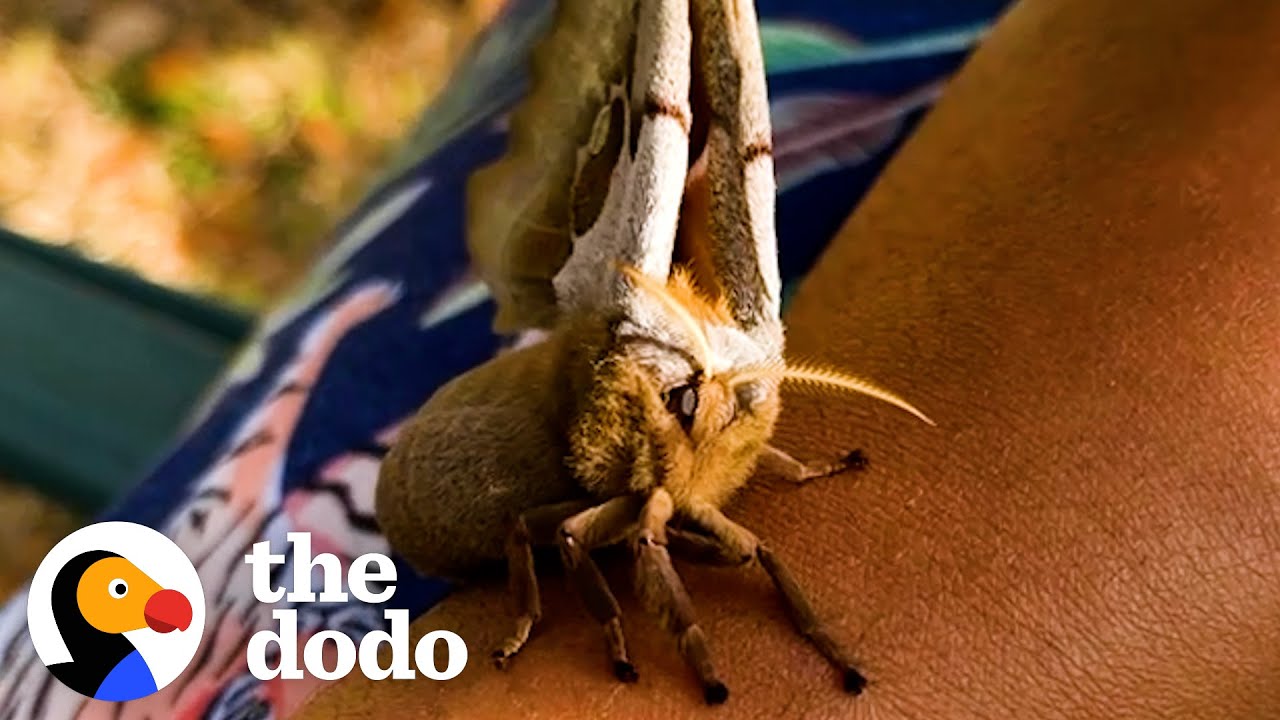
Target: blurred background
(203,145)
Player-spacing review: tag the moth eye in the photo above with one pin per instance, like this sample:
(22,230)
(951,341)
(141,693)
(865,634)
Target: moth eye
(745,396)
(683,403)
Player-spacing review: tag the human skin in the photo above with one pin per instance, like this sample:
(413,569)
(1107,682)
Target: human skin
(1074,268)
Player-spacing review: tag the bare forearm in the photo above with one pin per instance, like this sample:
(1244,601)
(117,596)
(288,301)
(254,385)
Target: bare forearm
(1074,267)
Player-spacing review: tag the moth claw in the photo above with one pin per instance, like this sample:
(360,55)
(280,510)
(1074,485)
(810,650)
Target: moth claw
(715,693)
(501,659)
(854,681)
(856,460)
(625,671)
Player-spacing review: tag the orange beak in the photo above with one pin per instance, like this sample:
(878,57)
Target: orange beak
(167,610)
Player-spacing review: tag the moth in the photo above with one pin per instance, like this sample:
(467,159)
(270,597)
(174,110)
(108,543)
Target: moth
(630,224)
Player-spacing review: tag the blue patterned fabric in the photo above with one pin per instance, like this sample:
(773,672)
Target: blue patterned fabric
(290,438)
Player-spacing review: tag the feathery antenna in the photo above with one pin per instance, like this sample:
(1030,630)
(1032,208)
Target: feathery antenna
(813,376)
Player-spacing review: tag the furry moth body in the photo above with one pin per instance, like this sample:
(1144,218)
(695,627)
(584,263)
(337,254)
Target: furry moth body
(645,249)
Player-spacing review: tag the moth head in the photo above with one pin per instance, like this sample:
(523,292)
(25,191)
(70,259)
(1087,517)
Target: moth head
(728,356)
(659,410)
(684,398)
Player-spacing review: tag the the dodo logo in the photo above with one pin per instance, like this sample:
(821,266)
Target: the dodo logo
(116,611)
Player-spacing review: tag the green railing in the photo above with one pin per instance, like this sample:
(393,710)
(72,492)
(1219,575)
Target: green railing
(98,369)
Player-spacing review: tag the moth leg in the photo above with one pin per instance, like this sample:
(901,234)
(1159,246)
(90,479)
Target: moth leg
(703,549)
(663,594)
(777,462)
(739,541)
(595,527)
(531,528)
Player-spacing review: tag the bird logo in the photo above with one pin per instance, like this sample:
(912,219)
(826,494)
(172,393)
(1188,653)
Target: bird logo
(116,611)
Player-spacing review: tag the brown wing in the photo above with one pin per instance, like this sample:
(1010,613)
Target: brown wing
(519,208)
(596,162)
(727,229)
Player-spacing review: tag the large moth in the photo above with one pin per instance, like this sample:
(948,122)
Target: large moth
(631,225)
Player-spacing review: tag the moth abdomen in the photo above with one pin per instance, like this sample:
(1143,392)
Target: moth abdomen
(487,446)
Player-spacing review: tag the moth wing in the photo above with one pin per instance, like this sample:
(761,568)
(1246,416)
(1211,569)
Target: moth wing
(592,176)
(518,208)
(728,228)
